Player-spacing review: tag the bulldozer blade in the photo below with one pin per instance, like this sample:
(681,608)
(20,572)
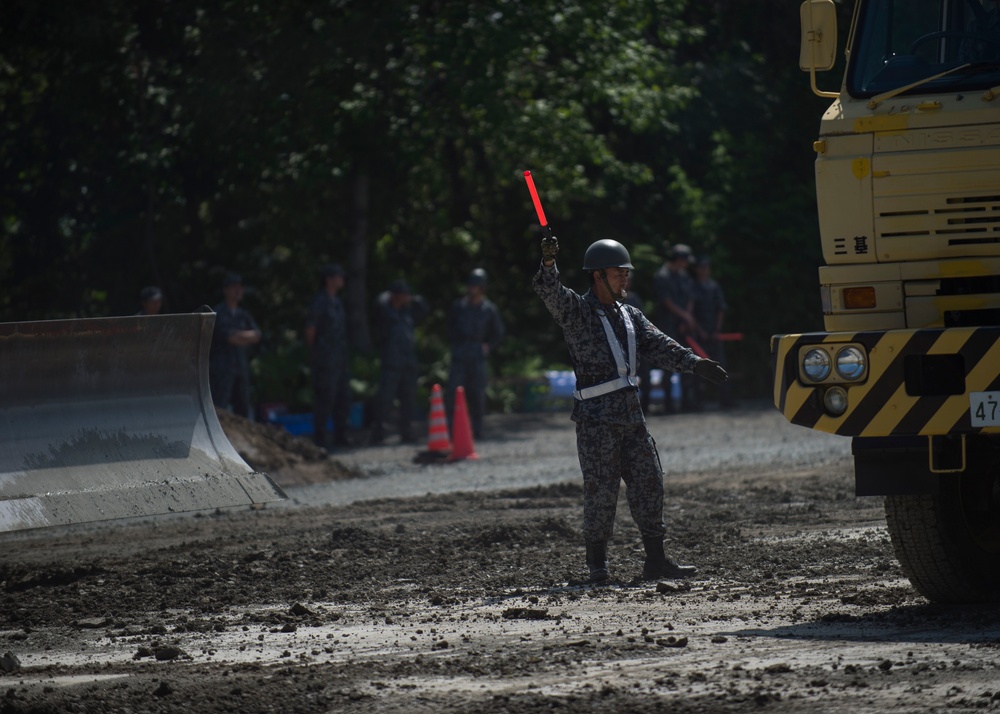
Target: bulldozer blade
(112,418)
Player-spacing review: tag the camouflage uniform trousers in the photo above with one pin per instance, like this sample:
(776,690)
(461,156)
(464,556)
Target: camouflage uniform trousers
(610,454)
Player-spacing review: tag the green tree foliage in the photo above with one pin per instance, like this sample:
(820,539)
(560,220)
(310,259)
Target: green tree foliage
(168,143)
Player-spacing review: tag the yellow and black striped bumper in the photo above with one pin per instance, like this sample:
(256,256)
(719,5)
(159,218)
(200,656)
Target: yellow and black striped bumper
(918,381)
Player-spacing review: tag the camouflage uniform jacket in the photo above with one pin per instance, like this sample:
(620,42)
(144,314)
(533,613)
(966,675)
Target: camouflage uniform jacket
(592,357)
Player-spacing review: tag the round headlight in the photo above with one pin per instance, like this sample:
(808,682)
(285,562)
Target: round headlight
(816,365)
(835,401)
(851,363)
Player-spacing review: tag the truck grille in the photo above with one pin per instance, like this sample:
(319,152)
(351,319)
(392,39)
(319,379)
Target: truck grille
(963,220)
(936,203)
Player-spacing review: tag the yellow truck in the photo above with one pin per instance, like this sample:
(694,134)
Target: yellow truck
(908,194)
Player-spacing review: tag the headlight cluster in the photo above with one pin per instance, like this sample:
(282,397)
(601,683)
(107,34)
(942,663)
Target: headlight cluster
(832,367)
(833,363)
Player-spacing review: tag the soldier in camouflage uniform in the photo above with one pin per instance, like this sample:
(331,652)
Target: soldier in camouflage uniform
(475,330)
(605,339)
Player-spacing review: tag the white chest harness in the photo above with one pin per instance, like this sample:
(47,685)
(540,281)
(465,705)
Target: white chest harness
(626,369)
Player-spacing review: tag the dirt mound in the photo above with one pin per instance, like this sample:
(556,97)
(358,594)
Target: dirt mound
(289,460)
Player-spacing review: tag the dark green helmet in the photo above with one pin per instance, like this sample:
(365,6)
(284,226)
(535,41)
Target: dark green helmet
(606,254)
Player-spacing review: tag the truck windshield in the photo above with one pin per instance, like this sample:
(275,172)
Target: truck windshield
(899,42)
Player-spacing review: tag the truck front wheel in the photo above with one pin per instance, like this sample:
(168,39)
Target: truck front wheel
(949,543)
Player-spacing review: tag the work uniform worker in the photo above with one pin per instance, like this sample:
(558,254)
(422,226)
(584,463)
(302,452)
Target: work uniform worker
(329,358)
(397,312)
(229,363)
(708,306)
(672,285)
(606,339)
(475,330)
(151,300)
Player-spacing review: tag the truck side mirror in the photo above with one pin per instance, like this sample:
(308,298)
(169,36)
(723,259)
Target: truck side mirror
(818,45)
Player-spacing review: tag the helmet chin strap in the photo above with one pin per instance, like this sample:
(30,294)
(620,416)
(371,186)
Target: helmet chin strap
(619,297)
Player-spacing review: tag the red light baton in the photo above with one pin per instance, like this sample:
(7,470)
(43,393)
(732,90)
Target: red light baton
(538,203)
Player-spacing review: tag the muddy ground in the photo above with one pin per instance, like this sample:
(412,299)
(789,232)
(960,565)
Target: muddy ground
(386,585)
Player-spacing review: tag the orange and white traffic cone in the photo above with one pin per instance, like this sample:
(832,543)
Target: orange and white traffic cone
(437,439)
(462,431)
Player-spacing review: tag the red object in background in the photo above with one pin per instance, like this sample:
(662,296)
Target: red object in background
(695,347)
(461,432)
(437,431)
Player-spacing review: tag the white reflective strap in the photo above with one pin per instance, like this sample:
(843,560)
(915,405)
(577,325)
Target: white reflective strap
(599,390)
(626,370)
(616,348)
(630,333)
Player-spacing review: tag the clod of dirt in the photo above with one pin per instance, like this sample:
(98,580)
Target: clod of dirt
(167,653)
(763,698)
(525,613)
(300,610)
(672,641)
(9,663)
(289,460)
(163,690)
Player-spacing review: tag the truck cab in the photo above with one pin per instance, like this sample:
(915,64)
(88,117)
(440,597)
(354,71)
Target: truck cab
(908,201)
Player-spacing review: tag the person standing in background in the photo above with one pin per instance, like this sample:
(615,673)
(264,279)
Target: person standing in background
(229,364)
(672,292)
(329,358)
(709,311)
(397,313)
(475,330)
(151,300)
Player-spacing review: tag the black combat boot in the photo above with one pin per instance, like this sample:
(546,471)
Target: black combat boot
(597,561)
(659,567)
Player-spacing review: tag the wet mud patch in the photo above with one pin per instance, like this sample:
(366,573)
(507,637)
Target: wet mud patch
(470,602)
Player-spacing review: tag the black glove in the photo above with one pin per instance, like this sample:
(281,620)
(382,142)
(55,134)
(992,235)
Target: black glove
(710,370)
(550,247)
